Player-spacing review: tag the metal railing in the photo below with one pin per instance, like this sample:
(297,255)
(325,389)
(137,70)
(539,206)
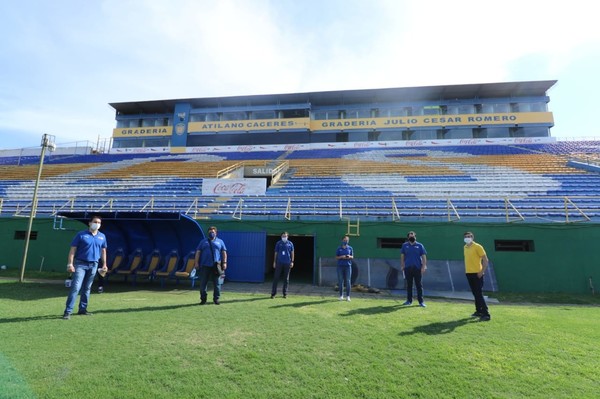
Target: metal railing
(334,207)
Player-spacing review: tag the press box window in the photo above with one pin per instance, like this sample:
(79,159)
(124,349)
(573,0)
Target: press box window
(20,235)
(514,245)
(390,243)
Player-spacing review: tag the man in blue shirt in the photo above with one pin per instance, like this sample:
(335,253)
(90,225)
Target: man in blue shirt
(210,252)
(87,248)
(413,262)
(344,256)
(283,262)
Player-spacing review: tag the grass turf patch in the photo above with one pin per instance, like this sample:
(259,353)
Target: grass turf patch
(160,344)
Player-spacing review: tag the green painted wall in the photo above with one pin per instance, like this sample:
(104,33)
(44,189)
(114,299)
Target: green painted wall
(51,244)
(563,261)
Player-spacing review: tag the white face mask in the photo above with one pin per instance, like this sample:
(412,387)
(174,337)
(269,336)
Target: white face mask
(284,239)
(468,240)
(95,226)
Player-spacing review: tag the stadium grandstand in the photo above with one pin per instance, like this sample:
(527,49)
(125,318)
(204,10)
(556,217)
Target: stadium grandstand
(370,163)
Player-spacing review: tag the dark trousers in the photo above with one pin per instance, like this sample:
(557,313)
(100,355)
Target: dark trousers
(476,284)
(413,274)
(280,269)
(208,273)
(100,281)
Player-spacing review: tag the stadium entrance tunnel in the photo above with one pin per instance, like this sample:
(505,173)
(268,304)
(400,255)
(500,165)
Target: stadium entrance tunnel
(146,231)
(304,252)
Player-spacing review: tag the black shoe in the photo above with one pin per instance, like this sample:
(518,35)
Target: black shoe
(217,302)
(485,317)
(285,297)
(203,302)
(66,316)
(477,314)
(84,313)
(272,296)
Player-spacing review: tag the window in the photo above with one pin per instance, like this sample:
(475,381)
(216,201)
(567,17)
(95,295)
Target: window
(458,133)
(263,115)
(358,113)
(20,235)
(293,113)
(391,112)
(431,110)
(156,142)
(492,132)
(425,134)
(514,245)
(390,243)
(325,115)
(234,116)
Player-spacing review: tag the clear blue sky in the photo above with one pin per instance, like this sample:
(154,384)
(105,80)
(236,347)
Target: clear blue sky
(62,62)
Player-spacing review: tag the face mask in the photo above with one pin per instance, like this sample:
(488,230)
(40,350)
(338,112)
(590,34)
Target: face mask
(95,226)
(284,239)
(411,239)
(344,243)
(211,235)
(468,240)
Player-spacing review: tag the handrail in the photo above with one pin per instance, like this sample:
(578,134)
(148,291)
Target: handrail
(452,208)
(237,213)
(279,171)
(567,202)
(288,209)
(149,204)
(508,204)
(228,170)
(378,207)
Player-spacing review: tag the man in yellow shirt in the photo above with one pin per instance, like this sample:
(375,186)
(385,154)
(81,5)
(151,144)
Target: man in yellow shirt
(476,263)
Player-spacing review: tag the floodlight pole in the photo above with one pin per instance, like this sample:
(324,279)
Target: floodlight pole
(47,141)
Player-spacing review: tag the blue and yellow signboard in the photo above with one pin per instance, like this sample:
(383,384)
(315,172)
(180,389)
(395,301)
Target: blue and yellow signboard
(133,132)
(247,125)
(433,121)
(183,128)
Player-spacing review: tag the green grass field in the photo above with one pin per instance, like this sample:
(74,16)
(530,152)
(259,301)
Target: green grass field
(152,343)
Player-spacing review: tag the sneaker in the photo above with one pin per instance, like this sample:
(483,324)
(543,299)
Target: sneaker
(485,317)
(66,316)
(203,302)
(348,299)
(476,314)
(272,296)
(100,290)
(407,303)
(84,313)
(422,304)
(216,302)
(285,297)
(342,298)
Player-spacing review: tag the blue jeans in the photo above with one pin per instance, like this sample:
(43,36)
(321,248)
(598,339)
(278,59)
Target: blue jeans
(344,274)
(82,281)
(279,269)
(207,273)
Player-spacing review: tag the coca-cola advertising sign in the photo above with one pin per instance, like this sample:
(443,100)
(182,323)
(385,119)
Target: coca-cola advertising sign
(232,187)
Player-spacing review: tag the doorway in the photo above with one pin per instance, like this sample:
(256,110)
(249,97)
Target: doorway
(304,258)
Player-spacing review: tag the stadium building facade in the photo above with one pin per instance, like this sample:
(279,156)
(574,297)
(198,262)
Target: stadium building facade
(471,111)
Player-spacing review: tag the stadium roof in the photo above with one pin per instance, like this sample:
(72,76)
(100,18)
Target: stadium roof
(408,94)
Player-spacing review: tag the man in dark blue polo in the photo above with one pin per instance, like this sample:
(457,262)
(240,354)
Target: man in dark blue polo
(413,262)
(210,252)
(87,248)
(283,263)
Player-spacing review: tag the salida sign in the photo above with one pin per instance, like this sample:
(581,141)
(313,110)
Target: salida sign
(232,187)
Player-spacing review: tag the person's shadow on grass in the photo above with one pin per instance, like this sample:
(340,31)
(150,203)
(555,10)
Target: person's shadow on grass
(369,311)
(437,328)
(300,304)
